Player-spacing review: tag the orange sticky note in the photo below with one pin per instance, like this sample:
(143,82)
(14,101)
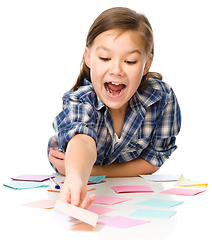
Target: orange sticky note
(58,190)
(76,212)
(46,204)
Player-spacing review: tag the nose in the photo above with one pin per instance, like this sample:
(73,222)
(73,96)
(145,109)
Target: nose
(116,69)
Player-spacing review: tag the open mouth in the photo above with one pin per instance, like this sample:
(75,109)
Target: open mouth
(114,89)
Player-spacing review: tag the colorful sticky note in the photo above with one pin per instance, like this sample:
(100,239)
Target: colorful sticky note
(96,179)
(132,189)
(58,190)
(45,204)
(183,191)
(110,200)
(146,213)
(76,212)
(24,185)
(100,210)
(159,203)
(183,182)
(121,222)
(32,177)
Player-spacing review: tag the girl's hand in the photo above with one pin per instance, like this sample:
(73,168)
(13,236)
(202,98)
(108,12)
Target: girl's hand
(57,158)
(74,192)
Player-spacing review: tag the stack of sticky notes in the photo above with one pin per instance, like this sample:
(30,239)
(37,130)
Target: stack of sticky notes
(28,181)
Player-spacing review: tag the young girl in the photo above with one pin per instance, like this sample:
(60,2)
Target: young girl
(119,119)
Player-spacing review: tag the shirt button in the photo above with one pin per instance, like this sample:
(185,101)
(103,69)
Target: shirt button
(137,145)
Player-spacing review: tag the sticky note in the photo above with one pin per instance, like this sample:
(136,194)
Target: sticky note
(100,210)
(32,177)
(76,212)
(132,189)
(58,190)
(161,177)
(121,222)
(183,182)
(45,204)
(183,191)
(110,200)
(159,203)
(146,213)
(24,185)
(96,179)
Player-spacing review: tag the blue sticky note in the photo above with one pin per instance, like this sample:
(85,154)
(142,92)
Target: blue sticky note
(24,185)
(96,179)
(159,203)
(146,213)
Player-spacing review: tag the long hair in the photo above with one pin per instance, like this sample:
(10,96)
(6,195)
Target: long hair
(123,19)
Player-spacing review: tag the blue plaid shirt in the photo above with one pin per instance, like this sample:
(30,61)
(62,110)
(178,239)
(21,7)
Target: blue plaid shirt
(152,121)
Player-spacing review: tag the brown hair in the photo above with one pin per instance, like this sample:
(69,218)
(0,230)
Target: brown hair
(122,19)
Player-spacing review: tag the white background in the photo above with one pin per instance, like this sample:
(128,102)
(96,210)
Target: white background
(41,47)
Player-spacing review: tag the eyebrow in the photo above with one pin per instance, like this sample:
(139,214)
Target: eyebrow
(127,53)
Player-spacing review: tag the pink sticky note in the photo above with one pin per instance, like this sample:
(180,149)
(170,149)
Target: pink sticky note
(121,222)
(32,177)
(110,200)
(76,212)
(100,210)
(132,189)
(183,191)
(46,204)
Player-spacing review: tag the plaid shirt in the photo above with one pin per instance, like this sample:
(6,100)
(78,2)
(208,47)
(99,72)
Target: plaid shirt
(152,121)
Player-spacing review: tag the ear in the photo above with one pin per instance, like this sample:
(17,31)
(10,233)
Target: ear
(148,64)
(87,57)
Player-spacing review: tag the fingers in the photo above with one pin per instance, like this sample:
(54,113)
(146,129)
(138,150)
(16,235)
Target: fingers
(75,197)
(57,154)
(65,195)
(58,160)
(73,192)
(86,203)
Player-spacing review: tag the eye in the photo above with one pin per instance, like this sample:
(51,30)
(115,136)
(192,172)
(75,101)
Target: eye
(130,62)
(104,59)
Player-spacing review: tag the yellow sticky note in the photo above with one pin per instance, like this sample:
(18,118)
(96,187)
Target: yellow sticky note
(183,182)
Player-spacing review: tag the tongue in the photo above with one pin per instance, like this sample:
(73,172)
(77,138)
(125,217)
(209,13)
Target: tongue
(115,87)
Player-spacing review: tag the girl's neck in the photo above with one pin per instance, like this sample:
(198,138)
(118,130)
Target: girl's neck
(118,116)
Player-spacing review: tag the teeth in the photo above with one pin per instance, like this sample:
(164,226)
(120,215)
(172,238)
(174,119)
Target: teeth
(108,90)
(116,83)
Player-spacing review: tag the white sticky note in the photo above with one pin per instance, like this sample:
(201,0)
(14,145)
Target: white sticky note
(76,212)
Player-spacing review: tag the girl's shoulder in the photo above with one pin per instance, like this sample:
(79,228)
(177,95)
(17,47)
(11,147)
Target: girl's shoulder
(80,94)
(159,85)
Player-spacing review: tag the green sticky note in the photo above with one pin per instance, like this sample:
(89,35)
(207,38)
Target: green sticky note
(145,213)
(96,179)
(159,203)
(24,185)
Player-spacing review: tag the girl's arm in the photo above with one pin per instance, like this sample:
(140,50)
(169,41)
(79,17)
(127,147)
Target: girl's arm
(79,159)
(127,169)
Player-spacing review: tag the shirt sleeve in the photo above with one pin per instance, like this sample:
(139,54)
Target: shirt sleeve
(50,142)
(77,117)
(163,139)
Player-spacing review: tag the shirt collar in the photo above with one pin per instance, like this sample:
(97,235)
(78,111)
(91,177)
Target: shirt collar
(145,98)
(98,104)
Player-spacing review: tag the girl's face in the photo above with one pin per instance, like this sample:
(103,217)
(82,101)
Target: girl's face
(117,64)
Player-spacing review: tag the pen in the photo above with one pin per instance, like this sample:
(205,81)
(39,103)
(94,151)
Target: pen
(57,186)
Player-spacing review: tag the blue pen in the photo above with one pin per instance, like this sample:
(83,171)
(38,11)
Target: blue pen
(57,186)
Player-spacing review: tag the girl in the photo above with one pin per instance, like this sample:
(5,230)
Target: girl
(119,119)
